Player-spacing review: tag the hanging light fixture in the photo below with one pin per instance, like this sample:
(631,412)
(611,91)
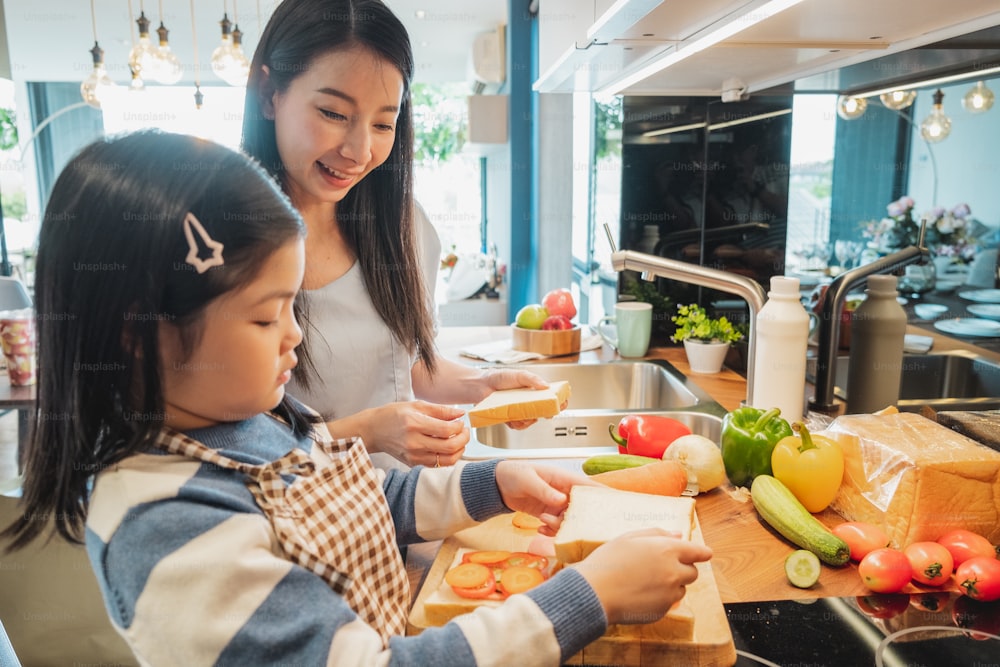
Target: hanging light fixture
(136,85)
(242,68)
(97,84)
(850,108)
(199,97)
(978,99)
(142,57)
(228,60)
(936,126)
(168,68)
(898,99)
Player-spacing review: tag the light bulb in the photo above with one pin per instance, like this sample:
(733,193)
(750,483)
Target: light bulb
(97,84)
(978,99)
(850,108)
(142,58)
(898,99)
(241,72)
(168,68)
(936,126)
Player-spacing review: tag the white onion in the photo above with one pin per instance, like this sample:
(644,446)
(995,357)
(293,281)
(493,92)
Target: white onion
(702,459)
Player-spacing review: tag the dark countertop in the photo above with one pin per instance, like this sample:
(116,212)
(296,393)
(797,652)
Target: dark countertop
(957,307)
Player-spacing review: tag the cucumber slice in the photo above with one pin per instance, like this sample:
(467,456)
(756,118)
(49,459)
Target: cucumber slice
(802,568)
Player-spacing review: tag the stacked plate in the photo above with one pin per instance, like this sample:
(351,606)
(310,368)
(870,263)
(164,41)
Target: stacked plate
(969,326)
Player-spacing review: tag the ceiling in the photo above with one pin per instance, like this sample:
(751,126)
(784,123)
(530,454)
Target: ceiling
(50,40)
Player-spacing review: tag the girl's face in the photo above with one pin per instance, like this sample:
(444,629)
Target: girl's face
(245,355)
(335,123)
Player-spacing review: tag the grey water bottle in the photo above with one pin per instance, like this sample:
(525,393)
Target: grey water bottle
(878,328)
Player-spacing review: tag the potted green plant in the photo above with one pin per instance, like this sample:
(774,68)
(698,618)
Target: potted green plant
(706,340)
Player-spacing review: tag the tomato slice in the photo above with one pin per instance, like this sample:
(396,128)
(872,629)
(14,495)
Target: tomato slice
(488,591)
(526,559)
(517,579)
(468,575)
(487,558)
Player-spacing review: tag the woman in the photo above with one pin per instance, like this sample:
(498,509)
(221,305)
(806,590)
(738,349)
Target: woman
(328,113)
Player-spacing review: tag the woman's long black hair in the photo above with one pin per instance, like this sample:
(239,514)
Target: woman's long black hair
(376,216)
(111,267)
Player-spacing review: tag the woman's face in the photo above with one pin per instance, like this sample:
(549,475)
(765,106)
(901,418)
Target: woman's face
(335,123)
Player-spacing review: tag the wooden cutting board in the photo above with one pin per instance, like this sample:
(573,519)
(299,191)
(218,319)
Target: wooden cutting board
(636,645)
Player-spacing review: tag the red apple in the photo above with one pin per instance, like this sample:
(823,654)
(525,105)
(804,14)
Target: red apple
(560,302)
(556,322)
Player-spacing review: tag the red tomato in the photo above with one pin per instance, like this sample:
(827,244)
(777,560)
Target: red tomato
(885,570)
(981,619)
(883,605)
(932,602)
(979,578)
(861,537)
(931,562)
(964,544)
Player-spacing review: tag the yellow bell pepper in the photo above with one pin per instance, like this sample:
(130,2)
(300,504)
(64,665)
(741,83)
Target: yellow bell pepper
(811,466)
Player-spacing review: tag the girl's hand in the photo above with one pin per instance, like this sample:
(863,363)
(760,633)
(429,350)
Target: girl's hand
(415,432)
(539,490)
(642,595)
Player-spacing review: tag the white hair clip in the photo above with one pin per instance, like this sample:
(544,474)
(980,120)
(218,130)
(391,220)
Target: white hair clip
(192,225)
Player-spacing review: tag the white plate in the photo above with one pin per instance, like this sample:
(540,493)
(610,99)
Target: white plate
(982,295)
(988,310)
(969,326)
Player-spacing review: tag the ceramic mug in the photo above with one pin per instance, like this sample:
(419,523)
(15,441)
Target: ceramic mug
(633,322)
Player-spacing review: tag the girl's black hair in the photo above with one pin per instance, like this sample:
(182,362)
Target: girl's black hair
(111,267)
(376,216)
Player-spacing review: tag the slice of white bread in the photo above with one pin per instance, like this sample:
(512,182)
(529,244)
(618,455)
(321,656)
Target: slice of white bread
(444,604)
(599,514)
(517,404)
(916,478)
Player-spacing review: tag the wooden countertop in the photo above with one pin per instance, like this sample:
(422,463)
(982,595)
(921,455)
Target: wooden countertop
(748,555)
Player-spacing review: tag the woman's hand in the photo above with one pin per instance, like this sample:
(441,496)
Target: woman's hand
(511,379)
(415,432)
(539,490)
(645,594)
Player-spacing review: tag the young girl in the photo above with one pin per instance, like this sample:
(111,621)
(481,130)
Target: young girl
(328,113)
(224,525)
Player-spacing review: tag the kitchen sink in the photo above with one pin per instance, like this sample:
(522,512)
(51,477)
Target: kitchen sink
(601,394)
(954,380)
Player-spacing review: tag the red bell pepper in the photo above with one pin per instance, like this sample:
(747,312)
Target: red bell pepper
(647,435)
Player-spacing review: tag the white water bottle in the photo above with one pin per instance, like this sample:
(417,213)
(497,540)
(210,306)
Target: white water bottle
(782,338)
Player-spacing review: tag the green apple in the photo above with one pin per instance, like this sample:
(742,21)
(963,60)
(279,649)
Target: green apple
(531,316)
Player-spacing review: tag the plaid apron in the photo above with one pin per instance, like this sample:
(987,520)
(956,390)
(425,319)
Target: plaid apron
(333,521)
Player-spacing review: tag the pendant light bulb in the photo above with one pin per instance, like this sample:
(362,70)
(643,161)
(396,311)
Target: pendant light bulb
(142,58)
(168,68)
(978,99)
(936,126)
(898,99)
(97,84)
(223,59)
(241,71)
(850,108)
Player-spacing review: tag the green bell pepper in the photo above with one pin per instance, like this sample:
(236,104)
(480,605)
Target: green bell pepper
(748,438)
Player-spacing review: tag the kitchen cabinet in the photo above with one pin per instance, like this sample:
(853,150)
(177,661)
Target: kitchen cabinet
(613,47)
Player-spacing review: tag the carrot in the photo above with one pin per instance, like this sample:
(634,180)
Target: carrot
(662,478)
(519,579)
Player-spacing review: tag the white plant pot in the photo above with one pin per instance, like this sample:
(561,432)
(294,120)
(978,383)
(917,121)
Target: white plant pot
(705,358)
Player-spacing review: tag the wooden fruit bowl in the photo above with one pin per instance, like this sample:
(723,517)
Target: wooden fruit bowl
(554,342)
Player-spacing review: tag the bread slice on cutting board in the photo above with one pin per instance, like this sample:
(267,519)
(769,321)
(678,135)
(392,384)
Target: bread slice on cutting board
(599,514)
(519,404)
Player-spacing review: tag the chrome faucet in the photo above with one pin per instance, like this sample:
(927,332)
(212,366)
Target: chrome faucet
(833,302)
(650,266)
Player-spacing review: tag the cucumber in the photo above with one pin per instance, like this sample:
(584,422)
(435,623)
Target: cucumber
(606,462)
(782,511)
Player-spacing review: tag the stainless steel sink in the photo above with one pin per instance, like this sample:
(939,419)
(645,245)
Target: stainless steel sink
(602,393)
(954,380)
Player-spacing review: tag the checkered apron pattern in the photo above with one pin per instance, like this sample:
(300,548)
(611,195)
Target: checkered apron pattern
(332,520)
